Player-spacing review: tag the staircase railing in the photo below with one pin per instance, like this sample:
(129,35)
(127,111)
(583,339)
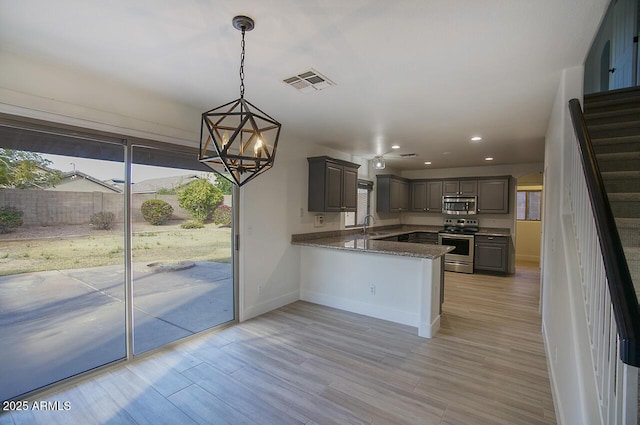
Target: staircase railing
(611,304)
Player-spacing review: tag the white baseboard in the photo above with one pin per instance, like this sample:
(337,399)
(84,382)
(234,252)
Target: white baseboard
(552,377)
(379,312)
(529,258)
(269,305)
(427,330)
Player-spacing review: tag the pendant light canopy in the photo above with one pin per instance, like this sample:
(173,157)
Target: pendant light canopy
(237,139)
(378,163)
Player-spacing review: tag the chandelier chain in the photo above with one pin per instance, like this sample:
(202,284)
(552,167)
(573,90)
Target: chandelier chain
(242,67)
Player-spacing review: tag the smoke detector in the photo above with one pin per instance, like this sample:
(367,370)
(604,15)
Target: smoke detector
(309,81)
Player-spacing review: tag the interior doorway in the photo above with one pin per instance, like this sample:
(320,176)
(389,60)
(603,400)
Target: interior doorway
(529,217)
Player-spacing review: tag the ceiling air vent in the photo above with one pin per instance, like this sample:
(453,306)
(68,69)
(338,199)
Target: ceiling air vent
(408,155)
(309,81)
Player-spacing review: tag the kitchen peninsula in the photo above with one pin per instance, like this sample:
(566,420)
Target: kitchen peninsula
(395,281)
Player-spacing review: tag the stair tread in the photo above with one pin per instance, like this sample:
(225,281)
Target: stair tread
(628,222)
(624,196)
(612,114)
(614,125)
(611,156)
(610,104)
(612,93)
(620,174)
(616,140)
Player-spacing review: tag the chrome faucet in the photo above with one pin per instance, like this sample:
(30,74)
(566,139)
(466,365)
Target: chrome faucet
(364,223)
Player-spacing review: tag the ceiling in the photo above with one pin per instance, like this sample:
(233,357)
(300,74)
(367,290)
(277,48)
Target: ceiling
(424,74)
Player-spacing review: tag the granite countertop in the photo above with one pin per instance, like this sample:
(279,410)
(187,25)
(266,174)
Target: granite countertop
(493,231)
(369,243)
(353,240)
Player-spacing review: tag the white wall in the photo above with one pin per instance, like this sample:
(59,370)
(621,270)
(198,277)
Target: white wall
(272,208)
(52,92)
(329,277)
(562,311)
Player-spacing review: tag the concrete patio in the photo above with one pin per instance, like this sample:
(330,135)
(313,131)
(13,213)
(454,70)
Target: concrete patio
(56,324)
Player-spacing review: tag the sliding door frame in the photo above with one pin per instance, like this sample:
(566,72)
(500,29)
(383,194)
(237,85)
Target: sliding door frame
(19,124)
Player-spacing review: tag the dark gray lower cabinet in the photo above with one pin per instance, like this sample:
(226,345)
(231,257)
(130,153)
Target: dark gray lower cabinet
(427,237)
(419,237)
(492,253)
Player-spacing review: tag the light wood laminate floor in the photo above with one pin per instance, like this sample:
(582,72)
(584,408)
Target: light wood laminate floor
(309,364)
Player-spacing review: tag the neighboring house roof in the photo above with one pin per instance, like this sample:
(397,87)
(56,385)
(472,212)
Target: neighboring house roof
(71,177)
(153,185)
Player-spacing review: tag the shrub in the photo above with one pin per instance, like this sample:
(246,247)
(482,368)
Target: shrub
(200,198)
(103,220)
(222,215)
(192,225)
(10,219)
(156,211)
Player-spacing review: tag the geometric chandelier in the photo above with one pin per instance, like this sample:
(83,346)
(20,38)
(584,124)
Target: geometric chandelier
(238,140)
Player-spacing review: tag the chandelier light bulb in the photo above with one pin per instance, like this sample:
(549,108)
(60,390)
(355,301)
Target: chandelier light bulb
(257,146)
(225,138)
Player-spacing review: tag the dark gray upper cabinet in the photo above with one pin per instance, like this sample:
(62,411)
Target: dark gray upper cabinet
(493,196)
(426,195)
(333,185)
(392,193)
(460,187)
(418,195)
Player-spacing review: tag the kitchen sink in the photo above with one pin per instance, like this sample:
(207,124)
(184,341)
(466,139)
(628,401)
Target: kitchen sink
(378,233)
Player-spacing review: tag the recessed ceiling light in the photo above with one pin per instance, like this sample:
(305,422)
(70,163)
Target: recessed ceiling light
(395,147)
(476,138)
(427,163)
(489,158)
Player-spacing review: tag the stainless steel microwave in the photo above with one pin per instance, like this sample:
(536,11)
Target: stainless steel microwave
(459,205)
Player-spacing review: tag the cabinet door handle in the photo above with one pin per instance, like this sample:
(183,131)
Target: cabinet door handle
(490,238)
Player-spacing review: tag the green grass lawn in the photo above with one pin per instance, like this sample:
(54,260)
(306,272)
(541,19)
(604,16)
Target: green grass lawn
(208,244)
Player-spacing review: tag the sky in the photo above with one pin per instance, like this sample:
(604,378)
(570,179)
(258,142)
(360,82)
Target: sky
(105,170)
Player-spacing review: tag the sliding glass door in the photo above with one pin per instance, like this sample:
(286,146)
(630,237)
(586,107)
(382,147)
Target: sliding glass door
(94,232)
(62,304)
(181,251)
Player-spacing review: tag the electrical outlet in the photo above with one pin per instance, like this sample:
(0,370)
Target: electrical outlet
(260,289)
(319,220)
(372,289)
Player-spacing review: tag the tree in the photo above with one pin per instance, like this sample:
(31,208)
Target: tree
(224,185)
(200,198)
(26,170)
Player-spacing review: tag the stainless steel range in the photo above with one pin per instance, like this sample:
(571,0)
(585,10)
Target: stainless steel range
(459,233)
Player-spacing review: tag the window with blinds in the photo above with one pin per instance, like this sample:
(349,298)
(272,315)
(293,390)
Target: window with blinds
(354,219)
(529,205)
